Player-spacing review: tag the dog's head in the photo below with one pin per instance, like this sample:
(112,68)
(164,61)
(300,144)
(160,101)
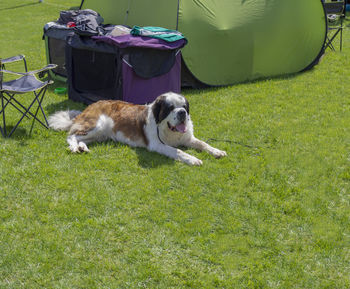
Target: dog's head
(173,109)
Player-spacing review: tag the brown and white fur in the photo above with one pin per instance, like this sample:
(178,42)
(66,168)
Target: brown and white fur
(160,126)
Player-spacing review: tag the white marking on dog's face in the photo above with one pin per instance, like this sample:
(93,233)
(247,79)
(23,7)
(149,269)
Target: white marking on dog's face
(172,110)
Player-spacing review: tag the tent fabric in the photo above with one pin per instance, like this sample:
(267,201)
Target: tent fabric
(231,41)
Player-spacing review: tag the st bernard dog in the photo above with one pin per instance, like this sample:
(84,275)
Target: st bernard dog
(160,126)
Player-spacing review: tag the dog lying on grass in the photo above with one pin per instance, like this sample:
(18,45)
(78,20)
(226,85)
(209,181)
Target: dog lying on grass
(160,126)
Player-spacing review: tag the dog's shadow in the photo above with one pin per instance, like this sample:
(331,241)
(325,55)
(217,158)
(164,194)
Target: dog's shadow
(146,158)
(149,160)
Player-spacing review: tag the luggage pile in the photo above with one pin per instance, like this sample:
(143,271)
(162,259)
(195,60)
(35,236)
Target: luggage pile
(134,64)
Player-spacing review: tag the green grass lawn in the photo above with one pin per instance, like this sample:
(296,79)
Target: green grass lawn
(273,214)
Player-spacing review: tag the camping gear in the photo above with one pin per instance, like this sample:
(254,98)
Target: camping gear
(335,15)
(11,93)
(157,32)
(125,67)
(107,62)
(231,41)
(84,22)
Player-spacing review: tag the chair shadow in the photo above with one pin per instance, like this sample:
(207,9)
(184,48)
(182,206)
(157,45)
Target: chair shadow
(18,134)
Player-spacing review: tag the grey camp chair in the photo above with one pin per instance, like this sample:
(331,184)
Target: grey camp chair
(11,93)
(335,11)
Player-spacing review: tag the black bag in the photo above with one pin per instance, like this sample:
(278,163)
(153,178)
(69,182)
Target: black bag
(86,22)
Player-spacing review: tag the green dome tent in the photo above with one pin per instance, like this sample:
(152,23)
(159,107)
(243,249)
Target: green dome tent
(231,41)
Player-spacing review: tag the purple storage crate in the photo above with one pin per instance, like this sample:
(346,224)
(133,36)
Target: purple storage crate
(130,68)
(140,90)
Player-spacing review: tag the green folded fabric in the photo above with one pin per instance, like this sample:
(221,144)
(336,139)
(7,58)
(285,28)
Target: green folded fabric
(157,32)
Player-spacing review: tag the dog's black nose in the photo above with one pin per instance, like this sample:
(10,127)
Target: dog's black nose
(181,115)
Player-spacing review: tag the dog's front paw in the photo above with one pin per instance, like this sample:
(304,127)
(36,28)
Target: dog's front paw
(218,153)
(193,161)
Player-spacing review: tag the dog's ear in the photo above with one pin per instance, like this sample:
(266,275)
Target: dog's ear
(156,108)
(187,106)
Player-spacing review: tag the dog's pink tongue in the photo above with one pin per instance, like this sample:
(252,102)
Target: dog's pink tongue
(181,128)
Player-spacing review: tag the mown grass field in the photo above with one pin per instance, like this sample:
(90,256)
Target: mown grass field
(273,214)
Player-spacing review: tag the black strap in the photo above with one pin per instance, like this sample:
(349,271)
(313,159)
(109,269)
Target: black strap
(159,136)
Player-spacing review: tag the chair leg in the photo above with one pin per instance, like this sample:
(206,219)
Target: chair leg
(25,111)
(329,44)
(25,114)
(41,108)
(330,40)
(341,38)
(37,110)
(341,33)
(8,101)
(29,112)
(3,132)
(31,128)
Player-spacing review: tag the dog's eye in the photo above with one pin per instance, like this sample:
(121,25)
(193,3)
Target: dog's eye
(171,107)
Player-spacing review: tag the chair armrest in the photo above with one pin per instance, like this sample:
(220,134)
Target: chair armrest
(12,59)
(47,67)
(12,72)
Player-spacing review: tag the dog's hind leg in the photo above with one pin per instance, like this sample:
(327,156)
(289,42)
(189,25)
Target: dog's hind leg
(73,143)
(83,147)
(80,136)
(77,143)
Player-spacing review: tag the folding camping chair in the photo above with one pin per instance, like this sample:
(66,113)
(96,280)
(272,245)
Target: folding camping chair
(335,12)
(23,82)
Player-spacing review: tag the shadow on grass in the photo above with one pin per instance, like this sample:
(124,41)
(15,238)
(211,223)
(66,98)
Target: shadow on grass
(19,134)
(66,104)
(196,91)
(146,159)
(149,160)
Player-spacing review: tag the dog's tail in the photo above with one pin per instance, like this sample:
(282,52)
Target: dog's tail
(63,120)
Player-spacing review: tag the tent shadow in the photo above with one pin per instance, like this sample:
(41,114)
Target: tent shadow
(196,91)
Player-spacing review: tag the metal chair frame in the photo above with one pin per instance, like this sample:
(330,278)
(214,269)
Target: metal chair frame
(338,9)
(9,90)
